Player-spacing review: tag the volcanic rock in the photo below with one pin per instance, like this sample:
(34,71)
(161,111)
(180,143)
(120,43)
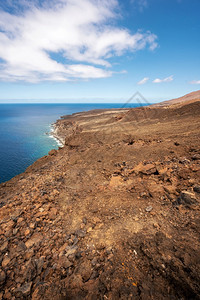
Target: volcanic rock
(187,198)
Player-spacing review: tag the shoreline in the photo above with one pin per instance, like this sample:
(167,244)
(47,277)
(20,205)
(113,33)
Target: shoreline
(53,134)
(114,204)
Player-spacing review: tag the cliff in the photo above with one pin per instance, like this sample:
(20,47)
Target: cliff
(114,214)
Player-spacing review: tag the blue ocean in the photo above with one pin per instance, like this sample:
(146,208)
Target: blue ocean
(25,132)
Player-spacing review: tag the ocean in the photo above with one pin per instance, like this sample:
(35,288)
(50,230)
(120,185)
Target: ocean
(25,132)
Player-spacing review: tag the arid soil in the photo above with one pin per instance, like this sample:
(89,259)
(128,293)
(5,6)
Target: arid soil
(114,214)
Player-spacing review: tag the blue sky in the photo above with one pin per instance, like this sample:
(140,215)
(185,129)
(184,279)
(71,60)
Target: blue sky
(98,51)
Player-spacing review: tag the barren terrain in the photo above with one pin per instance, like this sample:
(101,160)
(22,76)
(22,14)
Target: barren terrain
(114,214)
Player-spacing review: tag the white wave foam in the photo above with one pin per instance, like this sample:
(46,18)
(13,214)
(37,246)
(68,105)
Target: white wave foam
(53,136)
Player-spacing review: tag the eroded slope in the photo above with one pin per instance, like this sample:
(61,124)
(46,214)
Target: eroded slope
(112,215)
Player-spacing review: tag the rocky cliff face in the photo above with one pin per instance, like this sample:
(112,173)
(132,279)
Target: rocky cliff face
(114,214)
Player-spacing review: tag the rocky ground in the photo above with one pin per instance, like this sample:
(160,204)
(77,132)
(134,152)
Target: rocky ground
(114,214)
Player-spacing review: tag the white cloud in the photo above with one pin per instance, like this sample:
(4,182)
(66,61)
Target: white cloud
(195,82)
(63,40)
(143,81)
(167,79)
(141,4)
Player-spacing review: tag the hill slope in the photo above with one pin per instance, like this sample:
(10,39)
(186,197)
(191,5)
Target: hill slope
(114,214)
(191,97)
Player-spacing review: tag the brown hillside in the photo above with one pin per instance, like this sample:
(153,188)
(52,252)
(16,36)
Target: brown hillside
(114,214)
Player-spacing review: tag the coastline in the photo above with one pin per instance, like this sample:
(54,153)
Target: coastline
(60,129)
(53,134)
(121,199)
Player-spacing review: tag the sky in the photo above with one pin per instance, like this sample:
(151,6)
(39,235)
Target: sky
(98,50)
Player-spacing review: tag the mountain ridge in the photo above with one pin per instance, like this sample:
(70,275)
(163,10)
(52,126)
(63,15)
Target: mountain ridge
(188,98)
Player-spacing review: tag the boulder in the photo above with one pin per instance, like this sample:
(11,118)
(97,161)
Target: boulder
(30,270)
(52,152)
(24,291)
(4,247)
(35,239)
(53,212)
(39,264)
(5,261)
(196,188)
(2,277)
(187,198)
(64,262)
(147,169)
(85,270)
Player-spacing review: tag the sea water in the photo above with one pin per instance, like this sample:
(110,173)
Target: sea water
(25,132)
